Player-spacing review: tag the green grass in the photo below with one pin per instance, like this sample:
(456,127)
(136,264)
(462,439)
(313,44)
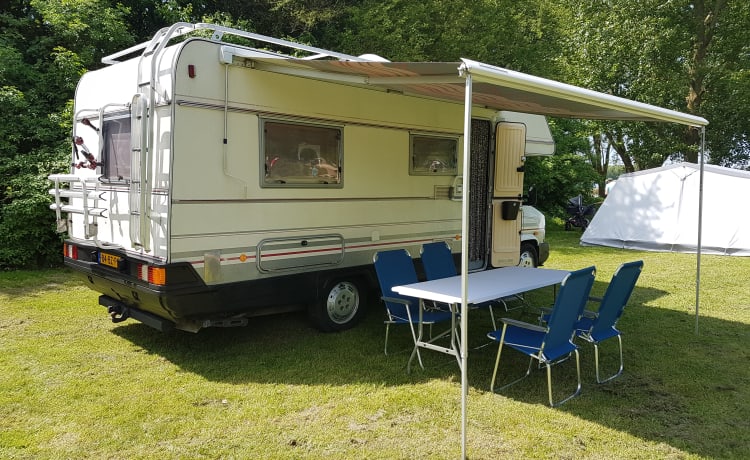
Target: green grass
(74,385)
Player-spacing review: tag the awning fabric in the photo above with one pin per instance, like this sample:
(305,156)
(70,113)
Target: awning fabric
(493,87)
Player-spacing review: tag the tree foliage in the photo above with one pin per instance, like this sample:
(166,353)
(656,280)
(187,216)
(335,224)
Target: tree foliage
(686,55)
(690,56)
(44,46)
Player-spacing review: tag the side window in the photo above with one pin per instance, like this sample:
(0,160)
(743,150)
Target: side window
(116,149)
(301,155)
(433,155)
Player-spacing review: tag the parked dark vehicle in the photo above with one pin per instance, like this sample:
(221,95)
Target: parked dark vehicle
(579,213)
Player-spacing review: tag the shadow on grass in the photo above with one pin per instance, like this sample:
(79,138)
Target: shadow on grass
(287,349)
(688,391)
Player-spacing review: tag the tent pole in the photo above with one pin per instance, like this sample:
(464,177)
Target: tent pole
(464,349)
(701,152)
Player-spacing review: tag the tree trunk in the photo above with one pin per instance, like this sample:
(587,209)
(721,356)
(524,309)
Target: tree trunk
(705,22)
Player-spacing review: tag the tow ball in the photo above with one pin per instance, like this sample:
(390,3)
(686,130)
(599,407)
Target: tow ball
(117,313)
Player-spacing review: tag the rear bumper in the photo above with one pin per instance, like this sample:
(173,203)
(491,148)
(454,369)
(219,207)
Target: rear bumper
(184,301)
(178,302)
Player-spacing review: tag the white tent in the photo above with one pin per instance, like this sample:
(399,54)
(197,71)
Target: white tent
(655,210)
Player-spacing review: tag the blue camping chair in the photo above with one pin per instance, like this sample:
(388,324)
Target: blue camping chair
(596,327)
(554,343)
(437,260)
(395,268)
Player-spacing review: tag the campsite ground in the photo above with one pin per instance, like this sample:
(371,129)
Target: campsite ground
(74,385)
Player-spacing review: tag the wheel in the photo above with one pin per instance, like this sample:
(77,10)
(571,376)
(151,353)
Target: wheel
(340,308)
(567,225)
(585,224)
(529,257)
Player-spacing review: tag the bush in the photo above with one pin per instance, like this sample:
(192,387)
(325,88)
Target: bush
(557,178)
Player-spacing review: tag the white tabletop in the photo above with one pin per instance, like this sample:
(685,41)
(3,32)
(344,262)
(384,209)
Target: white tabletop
(484,285)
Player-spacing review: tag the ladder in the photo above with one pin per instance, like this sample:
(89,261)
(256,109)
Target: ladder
(149,93)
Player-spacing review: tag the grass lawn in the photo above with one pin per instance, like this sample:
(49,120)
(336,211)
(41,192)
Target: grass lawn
(74,385)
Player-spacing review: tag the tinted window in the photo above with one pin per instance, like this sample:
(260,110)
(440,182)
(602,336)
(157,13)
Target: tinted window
(433,155)
(116,151)
(298,154)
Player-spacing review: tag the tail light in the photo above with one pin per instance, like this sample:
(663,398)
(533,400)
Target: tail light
(152,275)
(70,251)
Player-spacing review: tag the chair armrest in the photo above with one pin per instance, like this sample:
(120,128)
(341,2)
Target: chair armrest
(590,314)
(521,324)
(396,300)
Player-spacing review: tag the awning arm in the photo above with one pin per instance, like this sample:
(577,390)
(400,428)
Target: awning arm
(529,83)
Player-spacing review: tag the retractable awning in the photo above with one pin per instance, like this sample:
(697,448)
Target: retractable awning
(493,87)
(472,83)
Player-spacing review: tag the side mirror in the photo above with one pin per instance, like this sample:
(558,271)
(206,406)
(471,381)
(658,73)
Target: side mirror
(530,197)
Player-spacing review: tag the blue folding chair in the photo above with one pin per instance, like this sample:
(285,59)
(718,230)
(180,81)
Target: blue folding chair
(553,343)
(596,327)
(395,268)
(437,260)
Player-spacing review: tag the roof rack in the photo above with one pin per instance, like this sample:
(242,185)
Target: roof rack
(182,28)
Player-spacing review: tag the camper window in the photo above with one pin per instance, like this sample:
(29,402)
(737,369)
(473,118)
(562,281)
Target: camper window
(433,155)
(299,154)
(116,149)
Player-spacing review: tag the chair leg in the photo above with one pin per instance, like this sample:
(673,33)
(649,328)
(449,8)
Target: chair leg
(549,383)
(387,327)
(596,361)
(497,364)
(492,317)
(528,372)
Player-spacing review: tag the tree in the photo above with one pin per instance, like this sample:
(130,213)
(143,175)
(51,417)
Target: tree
(517,35)
(690,56)
(45,47)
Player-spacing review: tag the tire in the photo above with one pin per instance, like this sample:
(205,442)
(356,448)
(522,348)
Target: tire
(529,256)
(567,226)
(340,307)
(585,224)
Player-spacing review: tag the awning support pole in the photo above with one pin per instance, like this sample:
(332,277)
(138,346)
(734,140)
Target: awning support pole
(465,260)
(701,152)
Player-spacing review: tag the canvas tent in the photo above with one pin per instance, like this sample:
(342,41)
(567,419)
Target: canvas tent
(656,210)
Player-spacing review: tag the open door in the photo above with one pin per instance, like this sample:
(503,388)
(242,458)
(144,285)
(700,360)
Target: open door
(510,147)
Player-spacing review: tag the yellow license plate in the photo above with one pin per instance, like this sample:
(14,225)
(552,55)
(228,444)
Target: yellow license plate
(108,259)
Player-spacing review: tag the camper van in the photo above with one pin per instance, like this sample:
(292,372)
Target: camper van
(211,182)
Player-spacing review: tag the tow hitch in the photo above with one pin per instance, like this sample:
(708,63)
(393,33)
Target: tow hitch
(119,312)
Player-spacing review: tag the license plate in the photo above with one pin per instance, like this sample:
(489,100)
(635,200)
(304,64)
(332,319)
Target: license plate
(109,259)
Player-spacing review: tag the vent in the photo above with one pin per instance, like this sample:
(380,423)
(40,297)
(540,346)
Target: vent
(442,192)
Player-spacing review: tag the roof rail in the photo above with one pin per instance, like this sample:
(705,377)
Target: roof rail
(182,28)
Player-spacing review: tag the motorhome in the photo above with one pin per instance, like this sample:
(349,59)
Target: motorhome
(213,181)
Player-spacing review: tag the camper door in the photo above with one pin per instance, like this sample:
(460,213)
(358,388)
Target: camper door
(510,146)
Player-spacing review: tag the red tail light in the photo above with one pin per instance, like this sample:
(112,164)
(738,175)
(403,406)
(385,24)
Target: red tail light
(70,251)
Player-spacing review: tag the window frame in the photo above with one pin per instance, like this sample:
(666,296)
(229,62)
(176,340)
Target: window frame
(265,159)
(451,171)
(105,153)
